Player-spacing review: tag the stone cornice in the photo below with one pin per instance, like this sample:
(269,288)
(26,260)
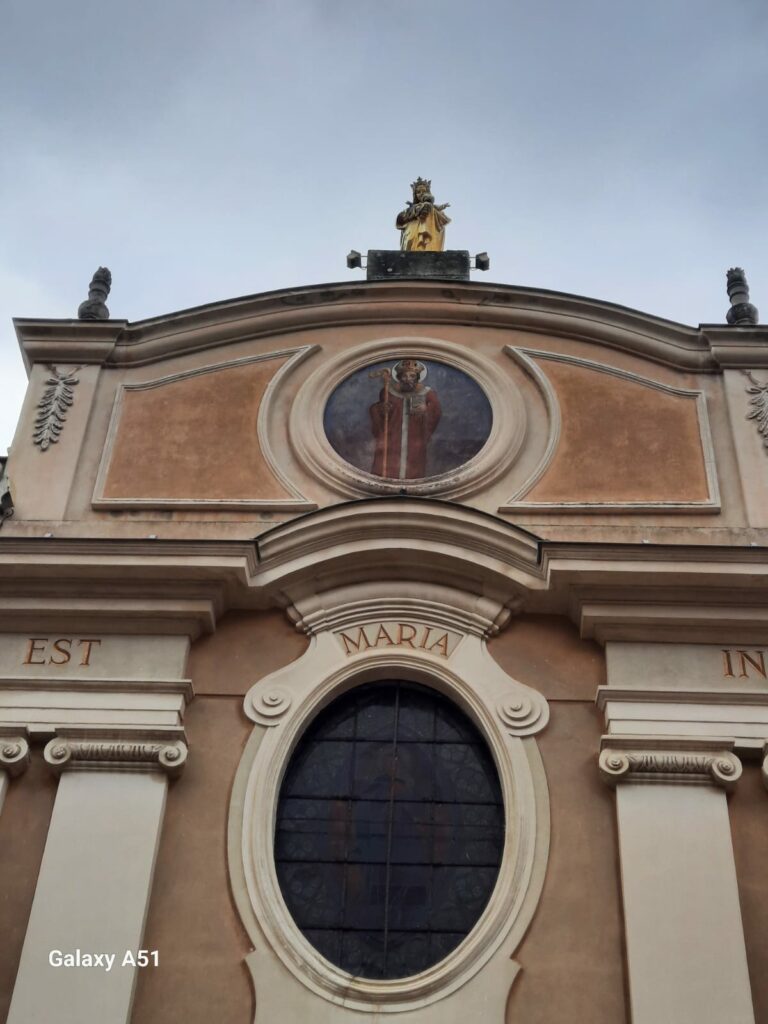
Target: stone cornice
(120,343)
(659,695)
(672,759)
(95,684)
(614,591)
(67,341)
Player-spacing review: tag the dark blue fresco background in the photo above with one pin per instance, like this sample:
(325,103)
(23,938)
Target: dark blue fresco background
(462,431)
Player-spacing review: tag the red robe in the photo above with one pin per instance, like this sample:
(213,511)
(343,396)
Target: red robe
(402,433)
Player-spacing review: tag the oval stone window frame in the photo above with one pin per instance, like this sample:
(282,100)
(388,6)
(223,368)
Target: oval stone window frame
(505,712)
(359,816)
(309,441)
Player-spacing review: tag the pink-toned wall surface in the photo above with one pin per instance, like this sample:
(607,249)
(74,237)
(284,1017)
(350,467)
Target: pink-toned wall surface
(748,807)
(198,438)
(621,441)
(572,956)
(192,919)
(23,829)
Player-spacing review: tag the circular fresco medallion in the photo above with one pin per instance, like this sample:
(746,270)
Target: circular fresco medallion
(407,419)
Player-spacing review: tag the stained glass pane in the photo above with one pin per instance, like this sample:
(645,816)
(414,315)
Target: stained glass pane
(390,830)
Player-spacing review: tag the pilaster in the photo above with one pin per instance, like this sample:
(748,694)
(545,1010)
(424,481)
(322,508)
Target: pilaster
(676,717)
(95,879)
(110,711)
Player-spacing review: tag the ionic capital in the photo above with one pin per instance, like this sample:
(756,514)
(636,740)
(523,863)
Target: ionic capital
(671,759)
(14,753)
(130,752)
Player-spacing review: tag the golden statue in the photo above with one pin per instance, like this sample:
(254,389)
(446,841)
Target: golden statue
(421,223)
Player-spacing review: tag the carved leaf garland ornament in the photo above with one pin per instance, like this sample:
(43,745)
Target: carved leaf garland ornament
(759,400)
(53,407)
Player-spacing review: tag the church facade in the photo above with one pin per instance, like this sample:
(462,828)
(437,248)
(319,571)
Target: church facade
(393,650)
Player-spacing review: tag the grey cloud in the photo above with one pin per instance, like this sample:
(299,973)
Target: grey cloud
(206,151)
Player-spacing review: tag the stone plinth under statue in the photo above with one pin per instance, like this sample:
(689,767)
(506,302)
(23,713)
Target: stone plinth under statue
(392,264)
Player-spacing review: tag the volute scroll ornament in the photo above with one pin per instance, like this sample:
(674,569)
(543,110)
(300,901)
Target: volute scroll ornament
(269,703)
(720,766)
(521,715)
(168,755)
(14,754)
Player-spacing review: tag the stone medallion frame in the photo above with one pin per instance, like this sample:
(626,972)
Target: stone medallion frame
(293,982)
(307,432)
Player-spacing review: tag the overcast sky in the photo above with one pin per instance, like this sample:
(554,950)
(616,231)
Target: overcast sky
(206,150)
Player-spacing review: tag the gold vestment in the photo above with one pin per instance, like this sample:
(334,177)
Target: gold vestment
(423,233)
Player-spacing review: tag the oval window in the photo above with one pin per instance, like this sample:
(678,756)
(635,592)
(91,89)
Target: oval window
(390,830)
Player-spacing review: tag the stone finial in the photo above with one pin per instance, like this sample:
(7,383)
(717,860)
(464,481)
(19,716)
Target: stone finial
(742,313)
(94,307)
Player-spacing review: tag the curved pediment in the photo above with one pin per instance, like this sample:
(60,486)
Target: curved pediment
(523,402)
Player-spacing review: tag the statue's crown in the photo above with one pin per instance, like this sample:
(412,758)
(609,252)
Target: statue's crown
(421,182)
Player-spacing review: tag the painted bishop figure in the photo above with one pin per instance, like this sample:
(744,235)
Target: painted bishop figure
(403,421)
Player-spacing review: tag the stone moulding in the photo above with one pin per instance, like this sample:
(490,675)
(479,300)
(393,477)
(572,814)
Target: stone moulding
(165,754)
(307,432)
(438,604)
(672,760)
(282,705)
